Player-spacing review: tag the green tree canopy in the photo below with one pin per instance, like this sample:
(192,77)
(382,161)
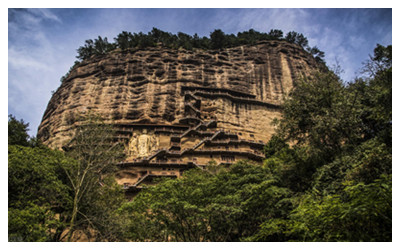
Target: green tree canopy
(224,205)
(17,132)
(54,195)
(321,113)
(343,134)
(37,195)
(217,40)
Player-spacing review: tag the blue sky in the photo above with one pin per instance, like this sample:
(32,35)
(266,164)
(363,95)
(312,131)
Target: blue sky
(42,43)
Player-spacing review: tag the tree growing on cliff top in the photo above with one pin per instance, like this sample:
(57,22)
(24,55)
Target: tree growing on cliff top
(217,40)
(99,46)
(275,34)
(297,38)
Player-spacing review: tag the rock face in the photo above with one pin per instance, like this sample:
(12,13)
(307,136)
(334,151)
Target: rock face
(156,95)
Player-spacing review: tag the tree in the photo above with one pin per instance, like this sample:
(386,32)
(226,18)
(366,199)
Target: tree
(102,46)
(362,213)
(96,153)
(318,54)
(37,196)
(296,38)
(165,38)
(380,61)
(196,41)
(38,199)
(276,34)
(86,51)
(224,205)
(375,93)
(144,40)
(249,37)
(291,36)
(185,41)
(301,40)
(53,194)
(99,46)
(124,40)
(218,40)
(348,196)
(17,132)
(365,164)
(322,114)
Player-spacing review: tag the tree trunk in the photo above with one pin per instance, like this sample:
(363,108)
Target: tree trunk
(73,217)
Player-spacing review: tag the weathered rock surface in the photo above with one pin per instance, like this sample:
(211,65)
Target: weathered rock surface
(241,88)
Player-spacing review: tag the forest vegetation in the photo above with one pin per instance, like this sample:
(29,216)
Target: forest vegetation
(327,176)
(218,40)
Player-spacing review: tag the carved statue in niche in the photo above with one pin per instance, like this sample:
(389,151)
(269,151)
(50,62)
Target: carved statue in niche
(142,145)
(132,145)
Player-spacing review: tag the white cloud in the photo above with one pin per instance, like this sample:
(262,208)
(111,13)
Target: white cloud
(21,60)
(261,19)
(46,14)
(32,64)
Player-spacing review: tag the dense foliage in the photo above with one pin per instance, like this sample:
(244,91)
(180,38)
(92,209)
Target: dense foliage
(327,176)
(36,193)
(341,154)
(217,40)
(207,206)
(59,196)
(17,132)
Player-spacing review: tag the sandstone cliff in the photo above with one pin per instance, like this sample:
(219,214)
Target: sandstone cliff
(241,88)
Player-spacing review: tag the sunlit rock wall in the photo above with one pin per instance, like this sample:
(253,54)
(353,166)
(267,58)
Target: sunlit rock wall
(147,87)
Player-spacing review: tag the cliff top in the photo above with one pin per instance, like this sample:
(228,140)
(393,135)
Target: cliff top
(217,40)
